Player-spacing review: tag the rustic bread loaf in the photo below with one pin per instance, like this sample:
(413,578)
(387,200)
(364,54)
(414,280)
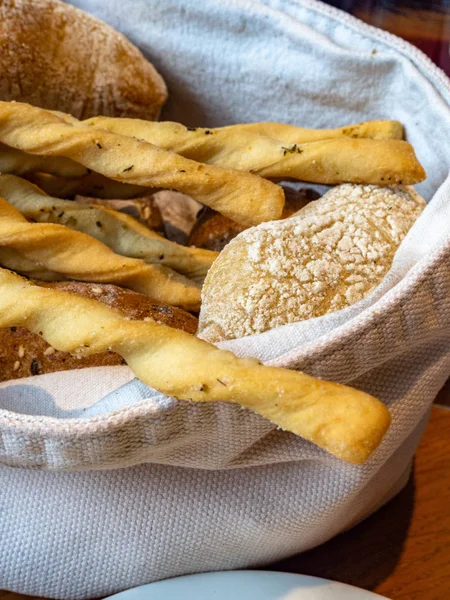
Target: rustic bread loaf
(58,57)
(23,353)
(329,255)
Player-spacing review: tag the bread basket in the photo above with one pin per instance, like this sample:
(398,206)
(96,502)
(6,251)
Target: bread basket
(120,486)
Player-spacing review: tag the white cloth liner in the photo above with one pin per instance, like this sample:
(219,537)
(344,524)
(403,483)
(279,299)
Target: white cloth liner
(215,486)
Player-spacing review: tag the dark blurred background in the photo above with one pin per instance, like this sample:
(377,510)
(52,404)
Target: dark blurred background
(424,24)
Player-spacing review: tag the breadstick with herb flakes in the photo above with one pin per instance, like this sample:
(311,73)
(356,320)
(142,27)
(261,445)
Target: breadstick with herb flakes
(291,134)
(118,231)
(93,185)
(326,161)
(18,162)
(40,250)
(346,422)
(243,197)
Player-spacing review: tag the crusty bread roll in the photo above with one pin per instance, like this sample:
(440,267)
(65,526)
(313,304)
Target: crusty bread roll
(58,57)
(213,231)
(23,353)
(329,255)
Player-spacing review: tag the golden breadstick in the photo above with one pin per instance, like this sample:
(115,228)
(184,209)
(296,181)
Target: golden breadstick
(242,197)
(74,255)
(119,231)
(348,423)
(24,265)
(93,185)
(62,177)
(18,162)
(328,161)
(291,134)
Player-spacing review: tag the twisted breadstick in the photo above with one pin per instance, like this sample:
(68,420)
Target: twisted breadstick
(118,231)
(22,264)
(243,197)
(18,162)
(291,134)
(63,177)
(34,247)
(328,161)
(346,422)
(93,185)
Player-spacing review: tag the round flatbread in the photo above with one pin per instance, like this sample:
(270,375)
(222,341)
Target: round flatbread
(329,255)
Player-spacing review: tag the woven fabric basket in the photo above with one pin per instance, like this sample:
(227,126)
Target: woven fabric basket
(120,486)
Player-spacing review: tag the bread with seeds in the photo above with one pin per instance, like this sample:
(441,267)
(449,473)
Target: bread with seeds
(24,354)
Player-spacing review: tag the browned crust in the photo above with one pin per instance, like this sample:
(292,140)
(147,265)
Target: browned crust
(213,231)
(58,57)
(134,305)
(23,353)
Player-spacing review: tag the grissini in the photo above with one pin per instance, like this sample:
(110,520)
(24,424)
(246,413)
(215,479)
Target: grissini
(25,354)
(292,134)
(326,161)
(18,162)
(144,209)
(92,184)
(38,249)
(241,196)
(346,422)
(120,232)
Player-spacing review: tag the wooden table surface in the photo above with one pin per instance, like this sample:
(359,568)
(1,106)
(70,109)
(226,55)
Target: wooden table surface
(402,551)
